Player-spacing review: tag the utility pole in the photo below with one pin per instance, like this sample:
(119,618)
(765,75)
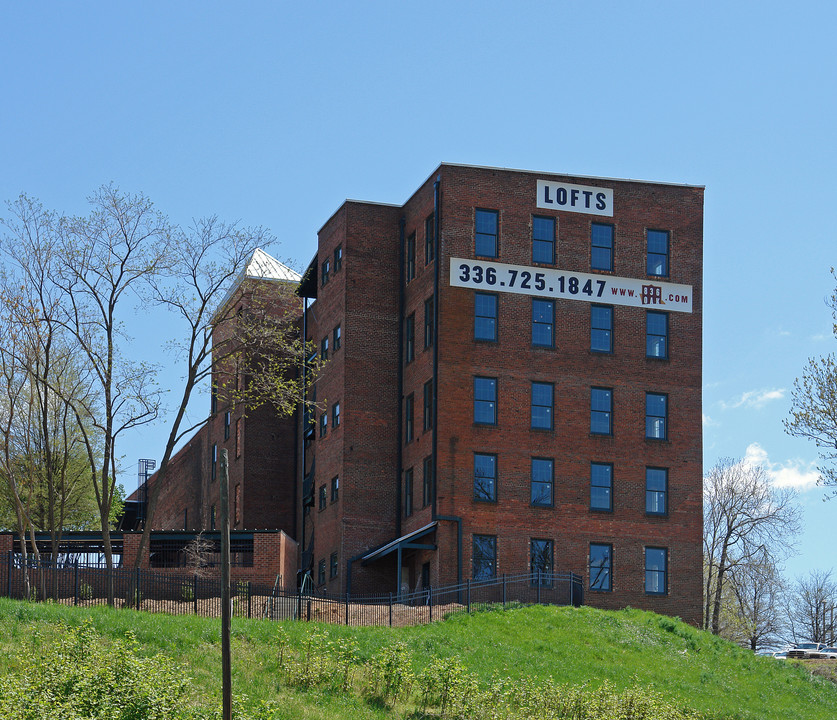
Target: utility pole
(225,587)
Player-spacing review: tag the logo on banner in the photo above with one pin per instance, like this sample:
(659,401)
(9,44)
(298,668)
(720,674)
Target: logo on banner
(652,295)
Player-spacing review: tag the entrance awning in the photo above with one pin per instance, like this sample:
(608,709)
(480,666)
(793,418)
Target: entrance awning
(405,542)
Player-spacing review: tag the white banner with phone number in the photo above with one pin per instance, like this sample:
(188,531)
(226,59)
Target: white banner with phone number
(587,287)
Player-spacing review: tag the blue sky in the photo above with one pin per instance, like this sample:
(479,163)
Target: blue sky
(273,113)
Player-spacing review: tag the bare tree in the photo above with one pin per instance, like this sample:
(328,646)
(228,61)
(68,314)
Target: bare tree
(812,604)
(745,520)
(814,410)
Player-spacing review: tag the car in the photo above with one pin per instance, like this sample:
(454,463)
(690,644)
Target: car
(829,653)
(780,655)
(804,651)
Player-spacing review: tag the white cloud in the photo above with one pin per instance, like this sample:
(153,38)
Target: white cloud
(796,474)
(754,399)
(707,421)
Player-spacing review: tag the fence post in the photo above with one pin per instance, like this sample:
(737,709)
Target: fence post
(539,586)
(195,592)
(347,609)
(430,601)
(468,605)
(390,609)
(75,591)
(504,590)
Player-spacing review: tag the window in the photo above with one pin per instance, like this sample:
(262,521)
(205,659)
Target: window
(656,571)
(484,557)
(238,443)
(485,316)
(429,238)
(213,460)
(185,518)
(543,322)
(411,257)
(326,267)
(485,401)
(601,328)
(543,240)
(485,235)
(657,253)
(408,419)
(213,403)
(212,518)
(332,564)
(427,481)
(324,349)
(656,491)
(601,566)
(227,425)
(541,490)
(601,409)
(601,247)
(409,338)
(428,405)
(237,505)
(601,486)
(335,489)
(338,338)
(335,415)
(485,477)
(656,334)
(338,258)
(324,424)
(540,561)
(542,399)
(656,410)
(428,322)
(321,572)
(323,497)
(408,492)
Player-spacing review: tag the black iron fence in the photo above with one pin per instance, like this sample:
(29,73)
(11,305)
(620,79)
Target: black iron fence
(181,594)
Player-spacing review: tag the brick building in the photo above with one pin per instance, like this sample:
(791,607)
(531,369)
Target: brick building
(513,382)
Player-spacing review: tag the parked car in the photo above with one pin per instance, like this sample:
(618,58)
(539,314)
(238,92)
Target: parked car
(780,655)
(829,653)
(805,650)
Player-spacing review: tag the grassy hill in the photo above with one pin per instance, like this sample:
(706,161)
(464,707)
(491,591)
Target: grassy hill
(629,651)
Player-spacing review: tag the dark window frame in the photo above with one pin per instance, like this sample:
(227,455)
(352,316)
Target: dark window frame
(324,424)
(333,566)
(428,322)
(483,240)
(603,582)
(542,242)
(483,321)
(654,257)
(483,557)
(541,561)
(338,258)
(430,238)
(335,488)
(654,339)
(485,486)
(427,481)
(409,338)
(408,492)
(481,403)
(411,256)
(538,323)
(337,338)
(335,415)
(605,247)
(322,498)
(654,497)
(325,272)
(653,574)
(596,482)
(599,413)
(601,333)
(653,420)
(550,408)
(538,498)
(428,406)
(321,572)
(227,423)
(324,348)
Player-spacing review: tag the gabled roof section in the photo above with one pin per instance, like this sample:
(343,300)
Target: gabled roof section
(261,266)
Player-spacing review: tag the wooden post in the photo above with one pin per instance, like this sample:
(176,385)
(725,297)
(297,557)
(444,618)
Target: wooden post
(225,588)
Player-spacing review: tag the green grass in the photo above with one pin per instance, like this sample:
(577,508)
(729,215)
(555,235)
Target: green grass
(575,646)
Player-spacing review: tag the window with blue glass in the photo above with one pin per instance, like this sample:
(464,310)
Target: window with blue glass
(601,486)
(485,477)
(485,401)
(485,316)
(541,553)
(601,247)
(542,482)
(656,571)
(543,240)
(601,411)
(601,566)
(658,253)
(486,225)
(656,415)
(601,328)
(656,334)
(543,322)
(542,404)
(484,557)
(656,491)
